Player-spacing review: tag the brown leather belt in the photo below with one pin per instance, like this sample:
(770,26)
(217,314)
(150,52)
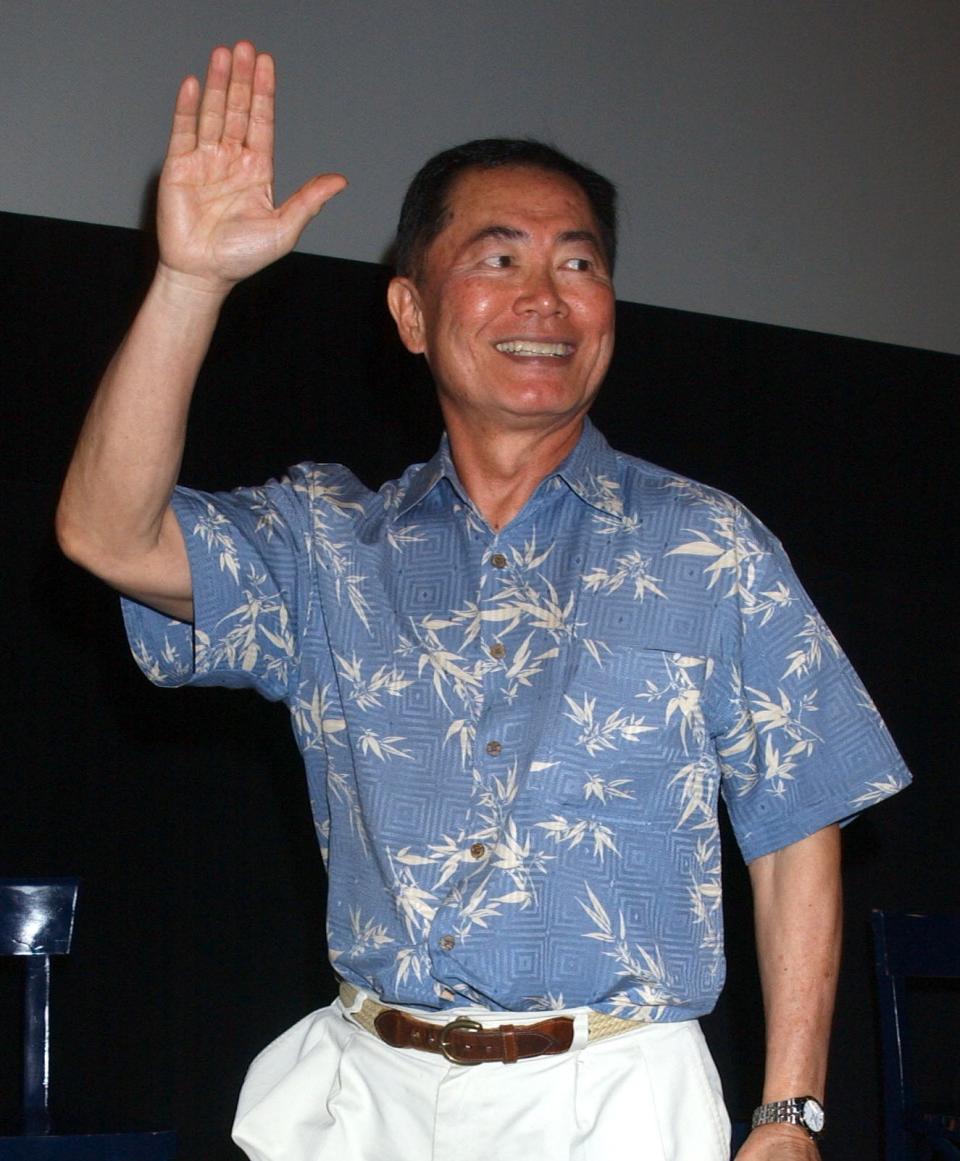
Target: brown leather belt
(466,1041)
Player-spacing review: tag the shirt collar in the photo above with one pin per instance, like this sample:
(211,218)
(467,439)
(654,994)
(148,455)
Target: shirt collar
(426,477)
(591,472)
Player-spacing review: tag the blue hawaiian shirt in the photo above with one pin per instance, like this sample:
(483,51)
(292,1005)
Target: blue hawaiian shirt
(515,740)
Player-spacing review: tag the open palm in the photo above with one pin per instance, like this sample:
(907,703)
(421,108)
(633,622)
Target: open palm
(216,219)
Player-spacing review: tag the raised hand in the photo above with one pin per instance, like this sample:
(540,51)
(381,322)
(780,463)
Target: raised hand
(216,219)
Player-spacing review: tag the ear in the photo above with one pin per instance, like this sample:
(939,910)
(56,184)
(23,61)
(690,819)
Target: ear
(403,299)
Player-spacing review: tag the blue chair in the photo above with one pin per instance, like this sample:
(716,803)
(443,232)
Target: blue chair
(910,947)
(36,922)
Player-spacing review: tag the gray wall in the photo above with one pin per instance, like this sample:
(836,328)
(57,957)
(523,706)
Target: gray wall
(788,161)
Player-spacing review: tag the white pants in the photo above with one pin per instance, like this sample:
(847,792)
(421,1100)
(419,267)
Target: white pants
(326,1090)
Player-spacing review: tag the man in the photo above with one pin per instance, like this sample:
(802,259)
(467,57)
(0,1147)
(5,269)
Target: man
(518,677)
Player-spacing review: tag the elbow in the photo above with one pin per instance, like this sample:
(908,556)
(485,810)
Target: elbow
(68,535)
(75,540)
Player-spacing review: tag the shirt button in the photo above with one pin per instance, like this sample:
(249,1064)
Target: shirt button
(478,850)
(447,943)
(498,650)
(498,560)
(494,748)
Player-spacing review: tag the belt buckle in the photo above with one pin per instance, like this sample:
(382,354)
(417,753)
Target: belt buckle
(460,1024)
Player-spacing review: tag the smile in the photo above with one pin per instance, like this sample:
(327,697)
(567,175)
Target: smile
(530,349)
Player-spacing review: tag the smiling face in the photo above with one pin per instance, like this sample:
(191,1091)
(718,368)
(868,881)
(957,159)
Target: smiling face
(514,308)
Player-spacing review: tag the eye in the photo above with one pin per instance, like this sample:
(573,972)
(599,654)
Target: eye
(584,264)
(499,261)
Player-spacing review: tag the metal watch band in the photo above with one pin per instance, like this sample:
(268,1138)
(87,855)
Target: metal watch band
(807,1112)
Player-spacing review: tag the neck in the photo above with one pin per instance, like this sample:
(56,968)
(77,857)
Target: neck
(501,470)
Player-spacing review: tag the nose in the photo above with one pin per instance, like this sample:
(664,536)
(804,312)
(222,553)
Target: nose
(540,294)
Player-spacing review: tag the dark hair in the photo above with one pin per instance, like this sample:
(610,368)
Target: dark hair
(425,210)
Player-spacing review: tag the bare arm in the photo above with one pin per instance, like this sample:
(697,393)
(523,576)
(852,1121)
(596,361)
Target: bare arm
(216,225)
(798,913)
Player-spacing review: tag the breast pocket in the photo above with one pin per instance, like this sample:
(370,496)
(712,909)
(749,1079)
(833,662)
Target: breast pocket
(628,722)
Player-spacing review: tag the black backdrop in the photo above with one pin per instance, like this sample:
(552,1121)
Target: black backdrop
(200,924)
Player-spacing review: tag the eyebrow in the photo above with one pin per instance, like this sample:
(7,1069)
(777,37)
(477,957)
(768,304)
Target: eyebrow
(511,234)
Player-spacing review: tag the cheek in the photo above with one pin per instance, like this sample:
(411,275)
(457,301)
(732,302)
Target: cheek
(595,317)
(468,308)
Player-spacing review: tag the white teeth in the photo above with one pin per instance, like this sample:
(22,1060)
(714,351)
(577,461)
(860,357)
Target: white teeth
(532,349)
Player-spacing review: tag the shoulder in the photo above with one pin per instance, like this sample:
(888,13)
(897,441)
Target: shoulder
(642,481)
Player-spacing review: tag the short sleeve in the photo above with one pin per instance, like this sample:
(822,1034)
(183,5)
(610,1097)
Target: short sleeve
(803,745)
(249,565)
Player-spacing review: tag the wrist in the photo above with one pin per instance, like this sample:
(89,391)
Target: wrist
(180,290)
(782,1132)
(803,1113)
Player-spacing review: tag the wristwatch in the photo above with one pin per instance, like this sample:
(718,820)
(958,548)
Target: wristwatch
(805,1111)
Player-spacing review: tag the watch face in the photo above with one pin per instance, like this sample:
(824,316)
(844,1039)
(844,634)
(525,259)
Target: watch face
(812,1115)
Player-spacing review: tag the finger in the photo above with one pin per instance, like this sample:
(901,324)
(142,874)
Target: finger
(183,133)
(214,99)
(261,127)
(239,92)
(306,203)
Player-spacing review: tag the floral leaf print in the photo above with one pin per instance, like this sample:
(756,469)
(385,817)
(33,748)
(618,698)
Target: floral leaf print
(595,648)
(706,891)
(339,786)
(449,672)
(683,695)
(604,789)
(465,731)
(413,902)
(696,780)
(598,916)
(596,736)
(880,789)
(573,833)
(602,491)
(213,529)
(517,857)
(784,715)
(371,743)
(545,611)
(259,636)
(765,604)
(412,961)
(776,769)
(398,537)
(366,934)
(315,721)
(367,694)
(730,554)
(645,969)
(525,666)
(815,636)
(167,667)
(633,566)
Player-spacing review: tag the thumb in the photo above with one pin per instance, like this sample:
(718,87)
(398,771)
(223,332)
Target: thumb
(306,202)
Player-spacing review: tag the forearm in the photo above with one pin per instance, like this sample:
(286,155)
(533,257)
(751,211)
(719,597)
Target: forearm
(112,517)
(798,915)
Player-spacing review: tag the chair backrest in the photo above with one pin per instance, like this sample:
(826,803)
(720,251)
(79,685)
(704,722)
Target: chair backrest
(36,916)
(36,920)
(906,947)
